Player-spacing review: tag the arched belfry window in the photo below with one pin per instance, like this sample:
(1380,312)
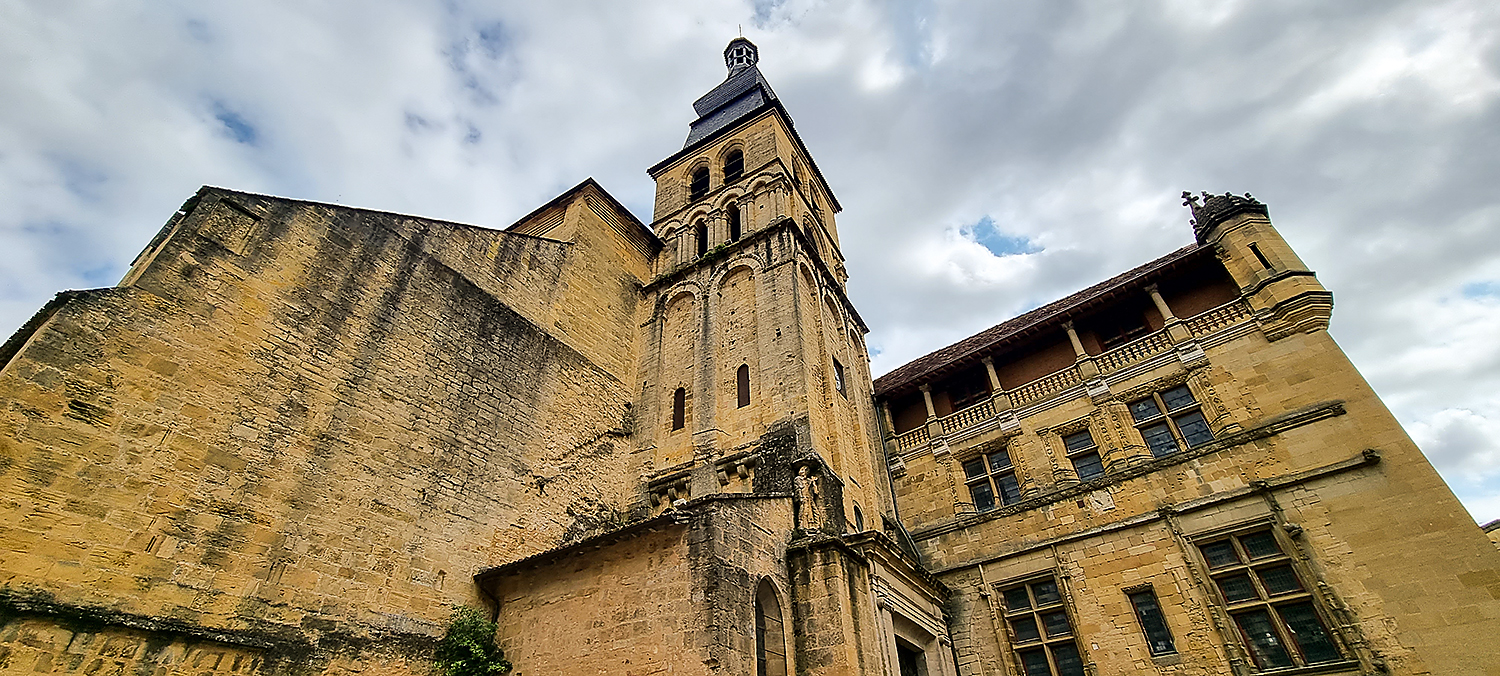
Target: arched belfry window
(742,385)
(700,231)
(734,166)
(770,638)
(698,187)
(734,222)
(679,409)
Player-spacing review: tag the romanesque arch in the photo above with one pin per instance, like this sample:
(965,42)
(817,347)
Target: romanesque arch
(770,632)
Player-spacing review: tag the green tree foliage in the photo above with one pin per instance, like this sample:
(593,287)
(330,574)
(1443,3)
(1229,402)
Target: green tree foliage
(469,647)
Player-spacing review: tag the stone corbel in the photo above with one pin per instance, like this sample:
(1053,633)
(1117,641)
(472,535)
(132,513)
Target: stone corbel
(1191,354)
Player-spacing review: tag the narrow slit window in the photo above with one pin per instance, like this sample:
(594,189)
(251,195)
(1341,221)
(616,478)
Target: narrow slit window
(1153,622)
(742,385)
(1260,256)
(838,377)
(701,233)
(679,409)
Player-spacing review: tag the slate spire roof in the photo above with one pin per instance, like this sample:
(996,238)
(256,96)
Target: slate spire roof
(745,91)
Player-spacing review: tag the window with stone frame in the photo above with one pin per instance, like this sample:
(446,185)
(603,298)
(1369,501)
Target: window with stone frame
(1182,424)
(700,233)
(1084,454)
(992,481)
(1153,621)
(1275,615)
(838,378)
(1040,630)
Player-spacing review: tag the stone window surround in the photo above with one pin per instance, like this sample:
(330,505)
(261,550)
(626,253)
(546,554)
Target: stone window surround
(1053,436)
(1170,418)
(1147,588)
(1010,616)
(1292,555)
(1036,497)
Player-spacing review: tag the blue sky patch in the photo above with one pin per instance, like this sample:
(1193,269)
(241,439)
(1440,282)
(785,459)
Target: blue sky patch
(1487,289)
(235,125)
(997,241)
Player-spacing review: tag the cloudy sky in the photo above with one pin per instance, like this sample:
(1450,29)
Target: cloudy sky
(991,156)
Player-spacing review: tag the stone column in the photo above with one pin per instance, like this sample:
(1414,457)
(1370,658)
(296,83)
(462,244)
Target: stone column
(1000,400)
(1085,364)
(989,368)
(1176,329)
(934,428)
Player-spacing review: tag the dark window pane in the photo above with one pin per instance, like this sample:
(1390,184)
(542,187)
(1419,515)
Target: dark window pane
(1260,545)
(1160,440)
(1158,637)
(1065,655)
(734,166)
(1177,398)
(1237,587)
(742,385)
(1144,409)
(1308,632)
(1025,629)
(1194,429)
(1265,645)
(1056,623)
(984,496)
(1035,663)
(1088,466)
(974,468)
(1220,553)
(1279,580)
(1010,491)
(999,461)
(1078,442)
(1016,599)
(1046,593)
(699,186)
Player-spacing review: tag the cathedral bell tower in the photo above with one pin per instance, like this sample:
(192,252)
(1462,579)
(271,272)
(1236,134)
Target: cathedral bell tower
(754,363)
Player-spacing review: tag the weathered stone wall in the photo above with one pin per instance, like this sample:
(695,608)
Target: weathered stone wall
(308,426)
(666,597)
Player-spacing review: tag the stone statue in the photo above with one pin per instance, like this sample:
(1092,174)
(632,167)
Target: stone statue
(808,506)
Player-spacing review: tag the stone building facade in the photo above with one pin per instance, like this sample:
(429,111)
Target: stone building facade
(296,434)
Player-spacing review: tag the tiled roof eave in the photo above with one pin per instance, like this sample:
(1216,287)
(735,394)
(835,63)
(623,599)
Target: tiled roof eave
(907,376)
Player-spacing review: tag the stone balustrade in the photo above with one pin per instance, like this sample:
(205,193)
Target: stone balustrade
(1207,322)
